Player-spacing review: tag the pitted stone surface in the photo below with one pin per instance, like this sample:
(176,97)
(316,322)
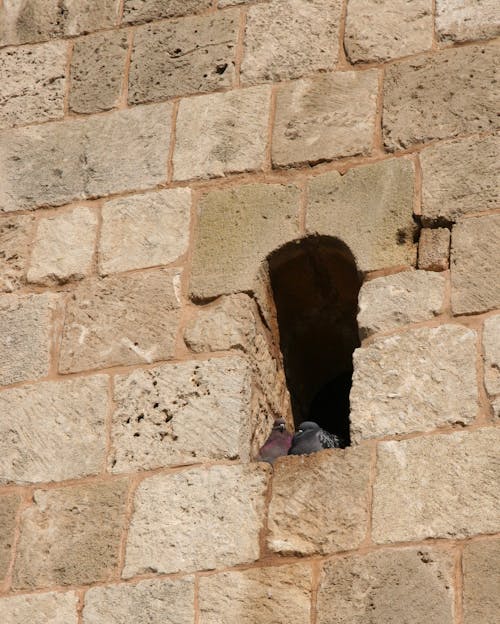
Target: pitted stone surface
(127,319)
(319,502)
(407,586)
(434,249)
(9,504)
(144,230)
(491,347)
(53,431)
(437,486)
(78,530)
(370,209)
(222,133)
(50,608)
(481,581)
(145,10)
(329,116)
(462,20)
(193,505)
(414,381)
(15,238)
(440,95)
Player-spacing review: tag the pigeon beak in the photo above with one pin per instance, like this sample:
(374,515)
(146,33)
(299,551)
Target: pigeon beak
(282,427)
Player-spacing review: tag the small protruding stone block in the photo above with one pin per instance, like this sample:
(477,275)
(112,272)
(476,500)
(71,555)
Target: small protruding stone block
(481,581)
(434,249)
(9,505)
(463,20)
(491,347)
(49,608)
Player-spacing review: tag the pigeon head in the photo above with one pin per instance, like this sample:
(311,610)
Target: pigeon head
(279,425)
(307,427)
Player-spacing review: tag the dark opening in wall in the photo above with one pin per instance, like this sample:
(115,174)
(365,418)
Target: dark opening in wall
(315,287)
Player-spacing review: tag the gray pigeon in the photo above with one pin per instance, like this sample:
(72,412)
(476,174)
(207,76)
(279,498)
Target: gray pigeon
(277,444)
(310,438)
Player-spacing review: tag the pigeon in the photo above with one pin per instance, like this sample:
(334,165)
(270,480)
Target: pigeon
(310,438)
(277,444)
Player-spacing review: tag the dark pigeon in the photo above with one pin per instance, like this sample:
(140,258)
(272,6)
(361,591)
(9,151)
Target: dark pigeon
(277,444)
(310,438)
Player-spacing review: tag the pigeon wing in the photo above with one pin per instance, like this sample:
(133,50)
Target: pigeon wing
(329,440)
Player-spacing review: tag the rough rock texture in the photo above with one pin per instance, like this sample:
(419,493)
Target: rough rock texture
(144,230)
(462,20)
(193,506)
(222,133)
(286,39)
(53,431)
(145,10)
(9,504)
(454,494)
(481,581)
(415,381)
(491,347)
(405,586)
(370,209)
(63,248)
(434,249)
(475,258)
(126,319)
(329,116)
(191,55)
(50,608)
(376,32)
(15,238)
(78,530)
(440,95)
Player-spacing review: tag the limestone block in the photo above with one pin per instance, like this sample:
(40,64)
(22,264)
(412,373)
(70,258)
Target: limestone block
(437,486)
(462,20)
(146,10)
(191,55)
(370,209)
(434,249)
(389,302)
(407,586)
(127,319)
(329,116)
(15,238)
(319,502)
(263,595)
(285,39)
(50,608)
(144,230)
(237,228)
(491,347)
(25,334)
(147,602)
(97,67)
(481,581)
(415,381)
(197,519)
(77,529)
(475,258)
(53,431)
(222,133)
(440,95)
(495,404)
(33,83)
(9,504)
(63,249)
(449,191)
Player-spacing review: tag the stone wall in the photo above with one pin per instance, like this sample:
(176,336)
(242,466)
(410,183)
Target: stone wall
(152,155)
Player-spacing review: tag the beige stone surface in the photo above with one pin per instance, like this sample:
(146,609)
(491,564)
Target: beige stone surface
(449,191)
(319,502)
(329,116)
(77,529)
(63,248)
(378,32)
(481,581)
(491,348)
(147,602)
(222,133)
(370,209)
(197,519)
(414,381)
(144,230)
(403,586)
(145,10)
(49,608)
(495,404)
(127,319)
(237,228)
(475,258)
(434,249)
(440,95)
(285,39)
(9,505)
(53,431)
(191,55)
(437,486)
(263,595)
(462,20)
(16,232)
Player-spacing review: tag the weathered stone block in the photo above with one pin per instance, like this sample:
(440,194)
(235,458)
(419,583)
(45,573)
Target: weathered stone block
(434,249)
(286,39)
(263,595)
(325,117)
(16,233)
(125,319)
(378,201)
(78,530)
(63,248)
(462,20)
(144,230)
(440,95)
(9,504)
(475,258)
(491,346)
(407,586)
(53,431)
(146,10)
(50,608)
(415,381)
(481,581)
(222,133)
(197,519)
(437,486)
(192,55)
